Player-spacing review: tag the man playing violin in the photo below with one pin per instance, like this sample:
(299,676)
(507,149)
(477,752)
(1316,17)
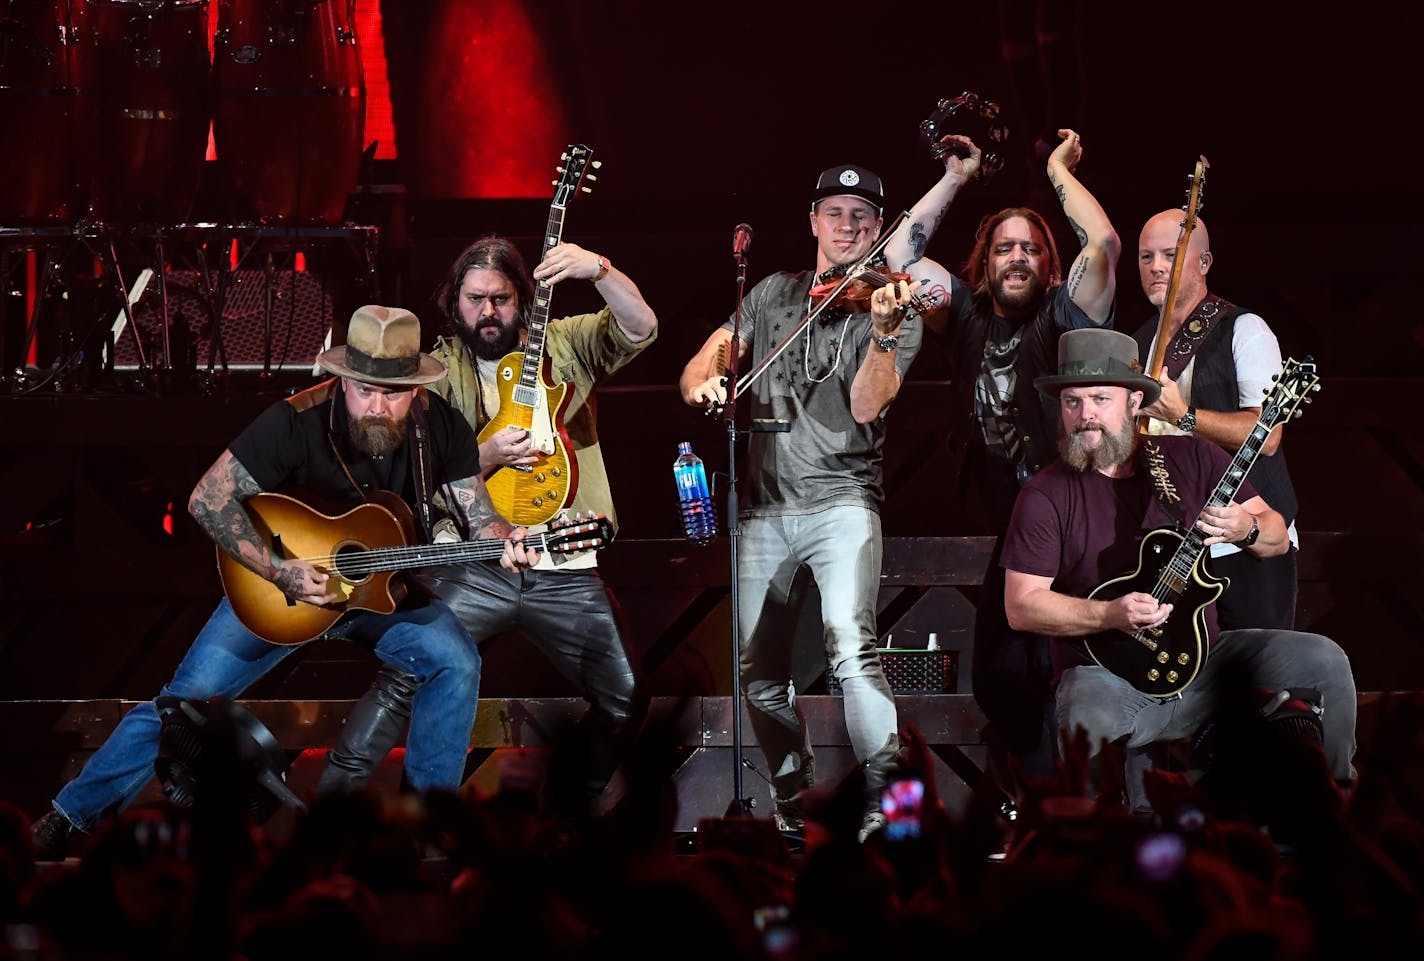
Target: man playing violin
(815,488)
(1001,329)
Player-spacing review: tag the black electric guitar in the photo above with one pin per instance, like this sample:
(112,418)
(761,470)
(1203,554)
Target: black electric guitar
(529,397)
(360,550)
(1163,660)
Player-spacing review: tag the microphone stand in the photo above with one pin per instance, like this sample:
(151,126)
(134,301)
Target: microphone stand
(741,805)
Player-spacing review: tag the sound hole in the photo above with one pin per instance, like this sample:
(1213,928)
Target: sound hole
(348,563)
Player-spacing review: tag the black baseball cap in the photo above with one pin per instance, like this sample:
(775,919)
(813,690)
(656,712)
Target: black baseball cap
(852,181)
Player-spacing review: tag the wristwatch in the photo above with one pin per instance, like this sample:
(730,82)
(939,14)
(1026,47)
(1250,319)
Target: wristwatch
(603,268)
(886,343)
(1188,421)
(1251,536)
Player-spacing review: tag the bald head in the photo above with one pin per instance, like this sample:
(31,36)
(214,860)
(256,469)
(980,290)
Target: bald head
(1156,248)
(1170,222)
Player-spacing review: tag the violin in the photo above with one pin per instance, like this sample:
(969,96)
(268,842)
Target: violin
(855,295)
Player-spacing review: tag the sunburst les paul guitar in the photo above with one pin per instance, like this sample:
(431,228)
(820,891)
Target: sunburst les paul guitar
(361,550)
(1163,660)
(529,398)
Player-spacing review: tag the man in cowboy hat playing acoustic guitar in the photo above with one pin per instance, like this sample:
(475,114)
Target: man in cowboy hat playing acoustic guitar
(1081,522)
(370,429)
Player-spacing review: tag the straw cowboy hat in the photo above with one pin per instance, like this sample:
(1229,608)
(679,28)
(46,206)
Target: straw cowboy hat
(383,347)
(1093,357)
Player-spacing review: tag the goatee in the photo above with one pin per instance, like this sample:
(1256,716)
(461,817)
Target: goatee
(1114,447)
(377,436)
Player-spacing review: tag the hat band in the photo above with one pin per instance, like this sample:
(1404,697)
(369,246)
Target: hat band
(364,363)
(1098,368)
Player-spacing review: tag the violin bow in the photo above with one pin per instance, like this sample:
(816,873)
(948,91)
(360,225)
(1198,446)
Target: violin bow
(851,274)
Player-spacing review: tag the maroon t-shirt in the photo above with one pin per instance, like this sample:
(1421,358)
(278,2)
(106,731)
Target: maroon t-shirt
(1082,529)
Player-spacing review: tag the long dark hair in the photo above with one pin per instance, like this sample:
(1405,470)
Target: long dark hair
(487,253)
(976,268)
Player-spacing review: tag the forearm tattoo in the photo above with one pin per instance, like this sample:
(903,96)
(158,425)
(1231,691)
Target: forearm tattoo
(473,501)
(217,507)
(1062,194)
(1078,232)
(1080,269)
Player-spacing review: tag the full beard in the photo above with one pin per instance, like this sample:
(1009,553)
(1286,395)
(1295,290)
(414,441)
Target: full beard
(1023,299)
(486,348)
(1114,448)
(377,436)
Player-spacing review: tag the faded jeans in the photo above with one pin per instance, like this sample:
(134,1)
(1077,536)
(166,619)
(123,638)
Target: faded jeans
(1109,708)
(226,658)
(841,547)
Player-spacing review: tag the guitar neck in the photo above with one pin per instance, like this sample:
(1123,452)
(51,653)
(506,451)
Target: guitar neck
(527,390)
(432,555)
(1224,493)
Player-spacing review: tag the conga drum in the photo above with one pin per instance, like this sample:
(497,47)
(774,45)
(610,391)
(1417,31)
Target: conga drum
(290,109)
(152,78)
(42,106)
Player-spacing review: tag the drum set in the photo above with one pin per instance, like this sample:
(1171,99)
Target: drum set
(109,104)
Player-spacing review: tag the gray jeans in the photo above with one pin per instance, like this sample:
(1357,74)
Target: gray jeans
(1109,708)
(841,547)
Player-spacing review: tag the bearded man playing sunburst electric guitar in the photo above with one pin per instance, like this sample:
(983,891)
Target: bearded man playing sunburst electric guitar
(1130,655)
(540,459)
(371,430)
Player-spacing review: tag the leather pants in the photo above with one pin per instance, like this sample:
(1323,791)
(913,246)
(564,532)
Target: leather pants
(570,616)
(374,726)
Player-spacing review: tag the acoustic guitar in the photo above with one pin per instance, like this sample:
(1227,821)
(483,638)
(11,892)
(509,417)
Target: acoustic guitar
(1163,660)
(360,550)
(529,397)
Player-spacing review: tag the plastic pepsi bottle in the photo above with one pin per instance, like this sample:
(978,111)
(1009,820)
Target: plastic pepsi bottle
(699,520)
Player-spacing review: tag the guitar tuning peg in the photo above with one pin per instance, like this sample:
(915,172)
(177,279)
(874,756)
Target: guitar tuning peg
(590,177)
(564,155)
(1315,387)
(597,164)
(553,183)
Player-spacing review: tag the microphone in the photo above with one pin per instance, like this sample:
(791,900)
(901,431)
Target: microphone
(741,240)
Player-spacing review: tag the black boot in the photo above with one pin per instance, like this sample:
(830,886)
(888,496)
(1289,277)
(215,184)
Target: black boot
(372,729)
(52,835)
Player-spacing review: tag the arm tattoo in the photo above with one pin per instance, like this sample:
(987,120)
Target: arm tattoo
(918,241)
(216,506)
(1078,232)
(1079,270)
(1058,189)
(473,501)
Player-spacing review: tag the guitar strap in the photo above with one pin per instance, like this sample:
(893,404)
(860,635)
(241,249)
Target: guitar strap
(420,460)
(1184,343)
(420,463)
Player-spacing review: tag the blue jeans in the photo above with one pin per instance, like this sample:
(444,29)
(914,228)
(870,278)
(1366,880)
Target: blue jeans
(841,547)
(1109,708)
(226,659)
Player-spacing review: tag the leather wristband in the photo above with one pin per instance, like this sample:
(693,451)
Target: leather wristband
(1251,535)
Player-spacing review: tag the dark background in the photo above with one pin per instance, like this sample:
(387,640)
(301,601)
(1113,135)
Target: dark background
(709,115)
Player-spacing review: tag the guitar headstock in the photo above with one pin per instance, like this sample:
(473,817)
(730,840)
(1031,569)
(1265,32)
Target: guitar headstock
(1195,190)
(588,533)
(576,161)
(1294,385)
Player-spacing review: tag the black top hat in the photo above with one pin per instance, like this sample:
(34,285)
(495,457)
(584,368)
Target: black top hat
(1093,357)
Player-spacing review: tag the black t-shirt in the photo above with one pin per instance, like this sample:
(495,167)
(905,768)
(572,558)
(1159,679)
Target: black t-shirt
(293,444)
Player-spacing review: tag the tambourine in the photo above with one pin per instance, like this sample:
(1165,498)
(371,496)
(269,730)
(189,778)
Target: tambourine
(971,116)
